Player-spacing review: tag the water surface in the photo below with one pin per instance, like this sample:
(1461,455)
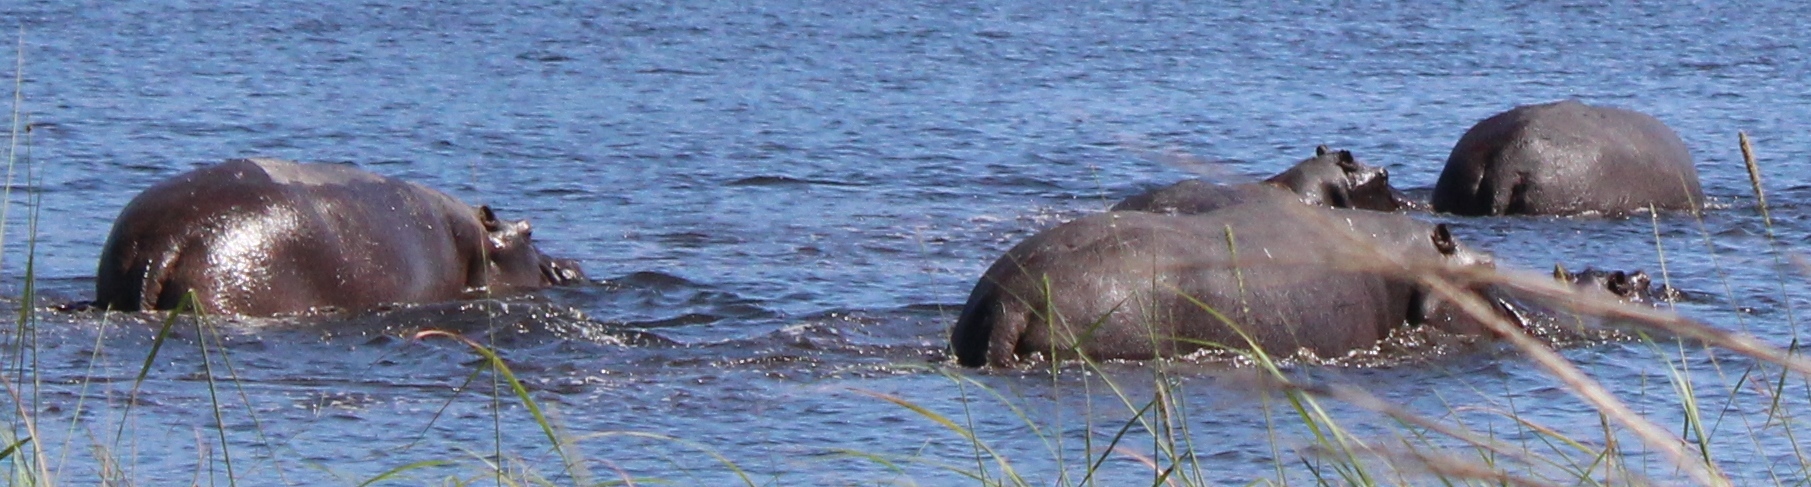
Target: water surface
(785,203)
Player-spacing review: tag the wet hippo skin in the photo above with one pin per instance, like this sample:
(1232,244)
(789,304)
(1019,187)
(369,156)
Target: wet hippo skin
(1331,178)
(1132,285)
(264,237)
(1567,158)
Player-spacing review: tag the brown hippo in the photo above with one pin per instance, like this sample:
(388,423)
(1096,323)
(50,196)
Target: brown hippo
(1331,178)
(1567,158)
(265,237)
(1133,285)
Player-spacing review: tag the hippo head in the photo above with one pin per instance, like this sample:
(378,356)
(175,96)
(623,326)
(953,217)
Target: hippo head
(514,260)
(1335,179)
(1445,315)
(1633,287)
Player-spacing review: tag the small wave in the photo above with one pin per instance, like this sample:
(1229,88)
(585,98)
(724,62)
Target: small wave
(1018,181)
(1721,65)
(650,279)
(694,239)
(932,308)
(543,56)
(681,72)
(786,181)
(559,191)
(853,338)
(681,320)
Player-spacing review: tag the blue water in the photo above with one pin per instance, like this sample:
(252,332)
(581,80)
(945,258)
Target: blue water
(785,203)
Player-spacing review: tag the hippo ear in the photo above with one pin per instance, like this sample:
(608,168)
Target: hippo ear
(1443,240)
(1321,150)
(488,218)
(1618,283)
(1347,163)
(1559,272)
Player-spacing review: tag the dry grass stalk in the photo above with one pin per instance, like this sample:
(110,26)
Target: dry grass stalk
(1441,279)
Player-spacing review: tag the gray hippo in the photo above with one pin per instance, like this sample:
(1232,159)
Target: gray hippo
(1567,158)
(1132,285)
(265,237)
(1331,179)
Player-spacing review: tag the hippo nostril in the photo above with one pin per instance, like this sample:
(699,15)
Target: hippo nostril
(552,273)
(561,271)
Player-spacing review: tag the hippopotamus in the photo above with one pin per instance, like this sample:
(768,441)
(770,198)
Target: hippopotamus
(265,237)
(1631,287)
(1139,285)
(1567,158)
(1330,178)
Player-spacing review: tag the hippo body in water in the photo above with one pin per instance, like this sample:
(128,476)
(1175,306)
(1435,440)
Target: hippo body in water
(266,237)
(1132,285)
(1331,178)
(1567,158)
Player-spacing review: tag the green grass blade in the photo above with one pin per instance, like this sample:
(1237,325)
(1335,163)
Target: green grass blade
(1114,443)
(999,460)
(10,449)
(163,334)
(441,411)
(207,368)
(521,392)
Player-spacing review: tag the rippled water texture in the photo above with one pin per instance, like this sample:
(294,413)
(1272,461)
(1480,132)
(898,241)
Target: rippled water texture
(787,202)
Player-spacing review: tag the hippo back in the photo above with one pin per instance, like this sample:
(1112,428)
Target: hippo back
(1197,196)
(1331,178)
(264,237)
(1130,284)
(1566,158)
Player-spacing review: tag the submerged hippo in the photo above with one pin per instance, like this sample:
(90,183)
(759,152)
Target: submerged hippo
(1567,158)
(1331,178)
(1133,285)
(1632,287)
(264,237)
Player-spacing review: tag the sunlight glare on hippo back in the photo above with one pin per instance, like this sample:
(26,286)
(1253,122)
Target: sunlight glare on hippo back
(285,172)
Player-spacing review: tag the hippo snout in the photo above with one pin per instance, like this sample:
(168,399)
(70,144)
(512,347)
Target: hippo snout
(560,272)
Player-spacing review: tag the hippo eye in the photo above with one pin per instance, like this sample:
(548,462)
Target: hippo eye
(1337,197)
